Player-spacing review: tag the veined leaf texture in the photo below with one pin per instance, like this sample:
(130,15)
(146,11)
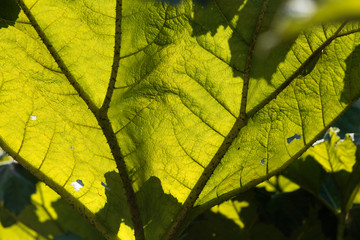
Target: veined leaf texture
(161,110)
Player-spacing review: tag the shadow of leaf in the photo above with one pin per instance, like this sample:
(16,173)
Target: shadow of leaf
(16,187)
(9,11)
(241,17)
(70,221)
(352,75)
(115,210)
(157,208)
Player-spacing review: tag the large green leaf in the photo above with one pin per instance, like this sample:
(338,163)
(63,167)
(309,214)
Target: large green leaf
(178,114)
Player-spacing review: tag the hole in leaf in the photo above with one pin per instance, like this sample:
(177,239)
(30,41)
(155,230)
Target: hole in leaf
(78,184)
(318,142)
(32,118)
(262,161)
(352,136)
(104,185)
(290,139)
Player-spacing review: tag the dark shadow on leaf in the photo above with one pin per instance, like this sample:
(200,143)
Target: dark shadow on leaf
(352,76)
(16,187)
(115,210)
(218,14)
(9,11)
(155,206)
(350,122)
(69,221)
(213,226)
(265,215)
(288,211)
(29,218)
(21,209)
(352,230)
(6,219)
(68,236)
(333,188)
(314,178)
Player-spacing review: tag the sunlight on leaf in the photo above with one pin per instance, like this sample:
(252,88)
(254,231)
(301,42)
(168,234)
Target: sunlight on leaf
(336,154)
(176,106)
(279,184)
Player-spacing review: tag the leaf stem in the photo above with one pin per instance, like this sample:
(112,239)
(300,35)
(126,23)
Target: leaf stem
(340,226)
(238,125)
(348,196)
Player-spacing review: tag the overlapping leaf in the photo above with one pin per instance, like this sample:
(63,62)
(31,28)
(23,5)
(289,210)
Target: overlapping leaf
(184,72)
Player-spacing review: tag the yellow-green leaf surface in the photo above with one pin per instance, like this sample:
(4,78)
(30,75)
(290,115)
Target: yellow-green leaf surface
(278,183)
(164,103)
(336,154)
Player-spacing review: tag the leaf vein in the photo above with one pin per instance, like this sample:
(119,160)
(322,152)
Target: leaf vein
(273,95)
(185,151)
(47,150)
(212,95)
(212,53)
(57,57)
(229,24)
(228,140)
(201,118)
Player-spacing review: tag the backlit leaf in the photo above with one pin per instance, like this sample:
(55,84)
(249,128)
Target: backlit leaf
(164,102)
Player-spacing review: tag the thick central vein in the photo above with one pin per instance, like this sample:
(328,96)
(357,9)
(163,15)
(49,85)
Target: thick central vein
(228,140)
(105,124)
